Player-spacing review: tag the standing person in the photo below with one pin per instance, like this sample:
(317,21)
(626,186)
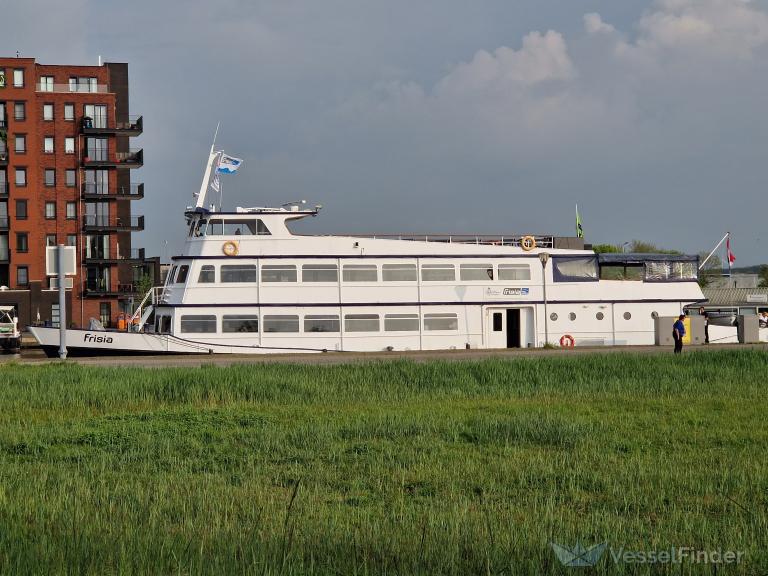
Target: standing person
(704,313)
(678,331)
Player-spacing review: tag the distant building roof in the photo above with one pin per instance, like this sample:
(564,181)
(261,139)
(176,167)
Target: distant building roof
(736,296)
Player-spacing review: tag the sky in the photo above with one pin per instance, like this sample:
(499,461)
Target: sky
(442,116)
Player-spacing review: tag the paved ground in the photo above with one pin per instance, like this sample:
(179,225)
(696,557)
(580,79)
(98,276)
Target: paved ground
(36,357)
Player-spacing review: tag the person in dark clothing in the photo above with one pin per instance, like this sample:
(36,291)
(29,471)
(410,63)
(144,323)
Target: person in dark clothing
(678,331)
(705,314)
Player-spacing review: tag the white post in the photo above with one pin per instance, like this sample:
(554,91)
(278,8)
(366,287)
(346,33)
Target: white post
(544,258)
(62,302)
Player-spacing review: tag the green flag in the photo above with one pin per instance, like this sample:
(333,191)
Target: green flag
(579,229)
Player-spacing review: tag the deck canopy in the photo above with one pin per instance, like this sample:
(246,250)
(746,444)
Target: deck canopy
(655,267)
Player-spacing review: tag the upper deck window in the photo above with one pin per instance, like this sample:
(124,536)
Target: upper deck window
(181,277)
(360,273)
(278,273)
(438,272)
(399,272)
(207,274)
(319,273)
(575,269)
(238,273)
(474,271)
(223,227)
(514,272)
(670,271)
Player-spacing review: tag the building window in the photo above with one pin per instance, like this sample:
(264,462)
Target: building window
(96,182)
(97,113)
(69,179)
(21,177)
(71,210)
(18,78)
(69,112)
(21,209)
(2,77)
(19,111)
(83,84)
(50,210)
(105,313)
(22,276)
(321,323)
(22,242)
(48,112)
(20,143)
(50,239)
(48,145)
(50,177)
(71,239)
(69,145)
(46,83)
(240,323)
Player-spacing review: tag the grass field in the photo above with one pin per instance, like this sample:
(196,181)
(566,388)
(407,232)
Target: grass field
(384,468)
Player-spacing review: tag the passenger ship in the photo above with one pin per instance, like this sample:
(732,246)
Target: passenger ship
(245,283)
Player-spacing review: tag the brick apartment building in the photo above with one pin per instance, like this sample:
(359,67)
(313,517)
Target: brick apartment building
(65,178)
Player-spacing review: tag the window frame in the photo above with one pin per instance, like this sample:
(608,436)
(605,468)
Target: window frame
(49,183)
(49,106)
(26,275)
(50,214)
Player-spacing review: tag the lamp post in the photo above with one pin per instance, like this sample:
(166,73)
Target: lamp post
(544,258)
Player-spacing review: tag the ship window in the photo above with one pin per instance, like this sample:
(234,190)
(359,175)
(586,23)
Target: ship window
(399,273)
(401,322)
(237,228)
(278,273)
(281,323)
(575,269)
(240,323)
(670,271)
(165,325)
(198,324)
(446,321)
(476,272)
(238,273)
(181,277)
(514,272)
(360,273)
(361,323)
(319,273)
(207,274)
(328,323)
(438,272)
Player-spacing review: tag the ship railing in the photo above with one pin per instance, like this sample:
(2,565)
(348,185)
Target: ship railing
(153,297)
(484,240)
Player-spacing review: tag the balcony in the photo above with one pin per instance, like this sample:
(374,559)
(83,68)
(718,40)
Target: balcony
(99,223)
(97,289)
(104,258)
(74,88)
(130,159)
(132,126)
(100,192)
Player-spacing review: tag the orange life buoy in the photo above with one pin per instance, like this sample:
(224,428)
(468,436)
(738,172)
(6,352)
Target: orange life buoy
(230,248)
(567,341)
(528,243)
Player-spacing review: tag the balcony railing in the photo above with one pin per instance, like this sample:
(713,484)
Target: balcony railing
(131,126)
(119,224)
(102,256)
(93,191)
(130,159)
(73,88)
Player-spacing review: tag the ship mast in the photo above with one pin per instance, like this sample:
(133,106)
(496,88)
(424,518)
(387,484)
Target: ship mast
(213,154)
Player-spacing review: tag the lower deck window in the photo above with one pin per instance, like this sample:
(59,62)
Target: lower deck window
(281,323)
(240,323)
(401,322)
(446,321)
(327,323)
(198,324)
(361,323)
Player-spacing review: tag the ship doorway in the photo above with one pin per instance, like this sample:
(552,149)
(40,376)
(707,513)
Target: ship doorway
(509,327)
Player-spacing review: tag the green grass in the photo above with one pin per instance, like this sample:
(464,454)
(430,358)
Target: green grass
(383,468)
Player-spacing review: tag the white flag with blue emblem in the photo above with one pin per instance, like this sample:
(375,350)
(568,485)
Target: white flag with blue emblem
(228,164)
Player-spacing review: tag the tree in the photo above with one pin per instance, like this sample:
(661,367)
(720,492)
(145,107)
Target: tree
(763,274)
(711,270)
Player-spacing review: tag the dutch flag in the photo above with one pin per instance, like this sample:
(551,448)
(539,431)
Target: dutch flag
(228,164)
